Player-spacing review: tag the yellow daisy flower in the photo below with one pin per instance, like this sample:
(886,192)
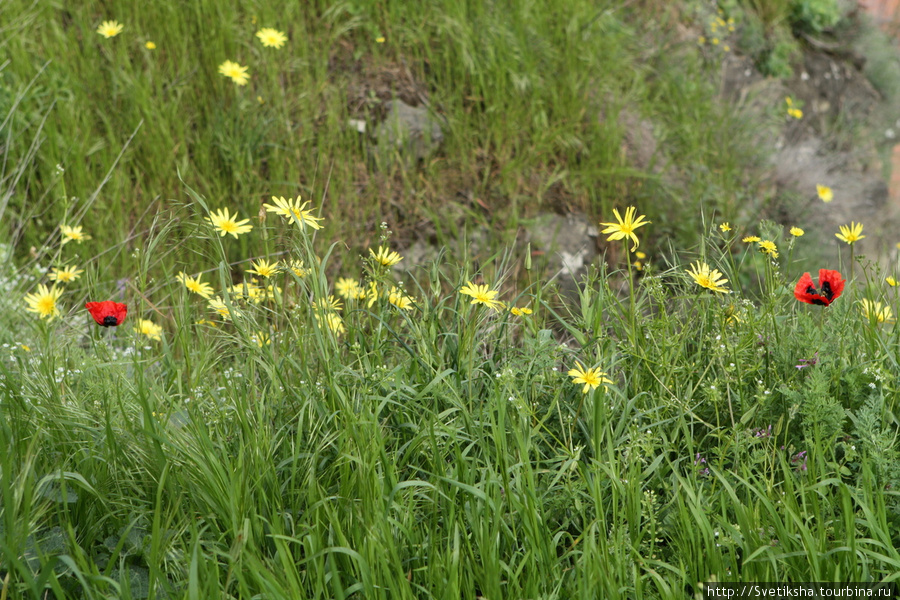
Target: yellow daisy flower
(591,378)
(72,234)
(385,256)
(711,279)
(43,302)
(876,311)
(481,294)
(149,328)
(195,285)
(150,46)
(293,211)
(850,233)
(235,72)
(349,288)
(725,227)
(271,38)
(264,268)
(225,223)
(826,194)
(797,232)
(750,239)
(397,298)
(110,29)
(625,227)
(66,274)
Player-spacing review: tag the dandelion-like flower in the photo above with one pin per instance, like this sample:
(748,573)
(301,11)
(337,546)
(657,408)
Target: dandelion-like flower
(792,111)
(110,29)
(625,227)
(333,321)
(331,303)
(72,234)
(385,256)
(768,247)
(271,38)
(751,239)
(520,311)
(481,294)
(264,268)
(725,227)
(591,378)
(43,302)
(220,308)
(66,274)
(349,288)
(797,232)
(372,294)
(711,279)
(876,311)
(891,281)
(297,268)
(261,338)
(226,223)
(195,285)
(293,211)
(235,72)
(149,328)
(850,233)
(150,46)
(398,299)
(826,194)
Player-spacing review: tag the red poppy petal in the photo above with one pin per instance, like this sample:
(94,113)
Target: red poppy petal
(107,313)
(831,280)
(805,289)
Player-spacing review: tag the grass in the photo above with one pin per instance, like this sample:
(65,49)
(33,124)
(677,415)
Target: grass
(276,446)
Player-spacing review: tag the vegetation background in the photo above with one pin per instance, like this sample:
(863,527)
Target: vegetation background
(413,441)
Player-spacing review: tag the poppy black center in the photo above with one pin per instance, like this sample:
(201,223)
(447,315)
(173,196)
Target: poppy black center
(110,321)
(826,290)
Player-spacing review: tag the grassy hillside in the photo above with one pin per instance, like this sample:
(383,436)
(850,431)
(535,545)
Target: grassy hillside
(283,414)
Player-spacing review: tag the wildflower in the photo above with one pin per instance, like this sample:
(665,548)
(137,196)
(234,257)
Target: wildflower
(261,338)
(750,239)
(349,288)
(298,268)
(876,311)
(711,279)
(520,311)
(195,285)
(66,274)
(731,314)
(107,313)
(294,211)
(235,72)
(826,194)
(850,233)
(768,247)
(150,46)
(830,283)
(43,302)
(72,234)
(481,294)
(372,294)
(333,321)
(701,40)
(624,228)
(225,223)
(891,281)
(271,38)
(791,111)
(808,362)
(110,29)
(385,256)
(264,268)
(397,298)
(379,39)
(220,308)
(149,328)
(799,459)
(759,432)
(332,303)
(725,227)
(591,378)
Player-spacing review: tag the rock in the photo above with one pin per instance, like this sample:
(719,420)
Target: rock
(570,245)
(412,131)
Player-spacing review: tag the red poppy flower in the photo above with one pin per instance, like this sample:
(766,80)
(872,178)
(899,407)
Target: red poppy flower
(830,284)
(107,313)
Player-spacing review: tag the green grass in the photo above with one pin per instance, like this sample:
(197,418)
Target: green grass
(280,448)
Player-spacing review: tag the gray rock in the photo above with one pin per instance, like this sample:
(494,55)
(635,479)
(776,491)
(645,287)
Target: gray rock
(410,131)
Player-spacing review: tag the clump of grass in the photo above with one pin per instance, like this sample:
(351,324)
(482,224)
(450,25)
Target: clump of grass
(418,434)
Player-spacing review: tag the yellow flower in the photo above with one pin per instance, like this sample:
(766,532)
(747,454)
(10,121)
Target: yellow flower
(372,294)
(148,328)
(768,247)
(520,311)
(150,46)
(43,302)
(332,303)
(292,210)
(750,239)
(701,40)
(481,294)
(724,227)
(624,228)
(110,29)
(850,233)
(333,321)
(225,223)
(66,274)
(877,312)
(796,231)
(385,256)
(379,39)
(298,268)
(711,279)
(791,111)
(271,38)
(220,307)
(264,268)
(349,288)
(591,378)
(826,194)
(891,281)
(235,72)
(72,234)
(397,298)
(261,338)
(195,285)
